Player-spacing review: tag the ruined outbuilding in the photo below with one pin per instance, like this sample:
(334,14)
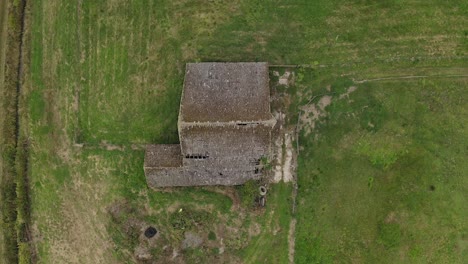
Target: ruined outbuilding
(224,128)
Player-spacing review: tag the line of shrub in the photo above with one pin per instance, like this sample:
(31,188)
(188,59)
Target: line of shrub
(14,208)
(23,217)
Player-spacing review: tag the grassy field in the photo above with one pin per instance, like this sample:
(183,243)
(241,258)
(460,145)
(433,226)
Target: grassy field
(382,178)
(381,175)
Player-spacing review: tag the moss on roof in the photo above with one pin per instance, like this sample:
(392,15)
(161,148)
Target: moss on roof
(163,156)
(223,92)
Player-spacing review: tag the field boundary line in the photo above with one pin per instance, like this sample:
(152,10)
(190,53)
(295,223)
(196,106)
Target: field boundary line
(380,60)
(391,78)
(78,88)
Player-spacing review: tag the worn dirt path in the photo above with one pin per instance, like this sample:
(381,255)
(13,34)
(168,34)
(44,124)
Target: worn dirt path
(291,240)
(392,78)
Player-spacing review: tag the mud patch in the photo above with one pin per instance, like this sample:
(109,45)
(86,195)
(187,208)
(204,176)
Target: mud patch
(191,240)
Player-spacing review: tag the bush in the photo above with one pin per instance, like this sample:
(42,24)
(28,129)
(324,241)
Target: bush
(13,221)
(248,193)
(212,235)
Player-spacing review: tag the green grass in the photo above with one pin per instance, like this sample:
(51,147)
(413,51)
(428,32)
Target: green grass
(270,246)
(392,193)
(112,71)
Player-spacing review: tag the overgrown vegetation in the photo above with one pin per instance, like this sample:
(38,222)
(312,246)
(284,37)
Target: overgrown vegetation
(187,218)
(249,194)
(14,192)
(23,217)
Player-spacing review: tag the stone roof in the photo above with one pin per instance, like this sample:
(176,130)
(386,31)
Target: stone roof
(224,128)
(225,143)
(225,92)
(163,156)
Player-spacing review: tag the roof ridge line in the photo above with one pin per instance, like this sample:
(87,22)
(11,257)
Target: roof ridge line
(269,122)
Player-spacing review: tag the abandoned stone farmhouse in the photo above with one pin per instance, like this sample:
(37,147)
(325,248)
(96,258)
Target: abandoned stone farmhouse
(224,127)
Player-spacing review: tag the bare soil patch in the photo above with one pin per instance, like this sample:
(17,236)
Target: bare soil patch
(287,166)
(278,171)
(348,92)
(313,112)
(291,240)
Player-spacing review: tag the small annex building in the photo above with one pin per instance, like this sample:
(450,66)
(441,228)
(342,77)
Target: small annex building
(224,127)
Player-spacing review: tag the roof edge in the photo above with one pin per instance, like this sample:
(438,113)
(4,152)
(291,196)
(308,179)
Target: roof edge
(269,122)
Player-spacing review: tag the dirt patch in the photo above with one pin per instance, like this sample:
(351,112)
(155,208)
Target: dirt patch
(324,102)
(107,146)
(311,113)
(391,217)
(278,171)
(348,92)
(142,253)
(291,240)
(191,240)
(285,79)
(283,151)
(287,169)
(254,229)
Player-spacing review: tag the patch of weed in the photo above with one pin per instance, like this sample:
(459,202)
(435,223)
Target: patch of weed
(186,218)
(249,193)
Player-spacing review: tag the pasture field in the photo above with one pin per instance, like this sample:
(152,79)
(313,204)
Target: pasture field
(380,99)
(382,178)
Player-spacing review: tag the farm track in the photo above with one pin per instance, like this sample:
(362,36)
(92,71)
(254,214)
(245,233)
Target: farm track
(394,78)
(382,60)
